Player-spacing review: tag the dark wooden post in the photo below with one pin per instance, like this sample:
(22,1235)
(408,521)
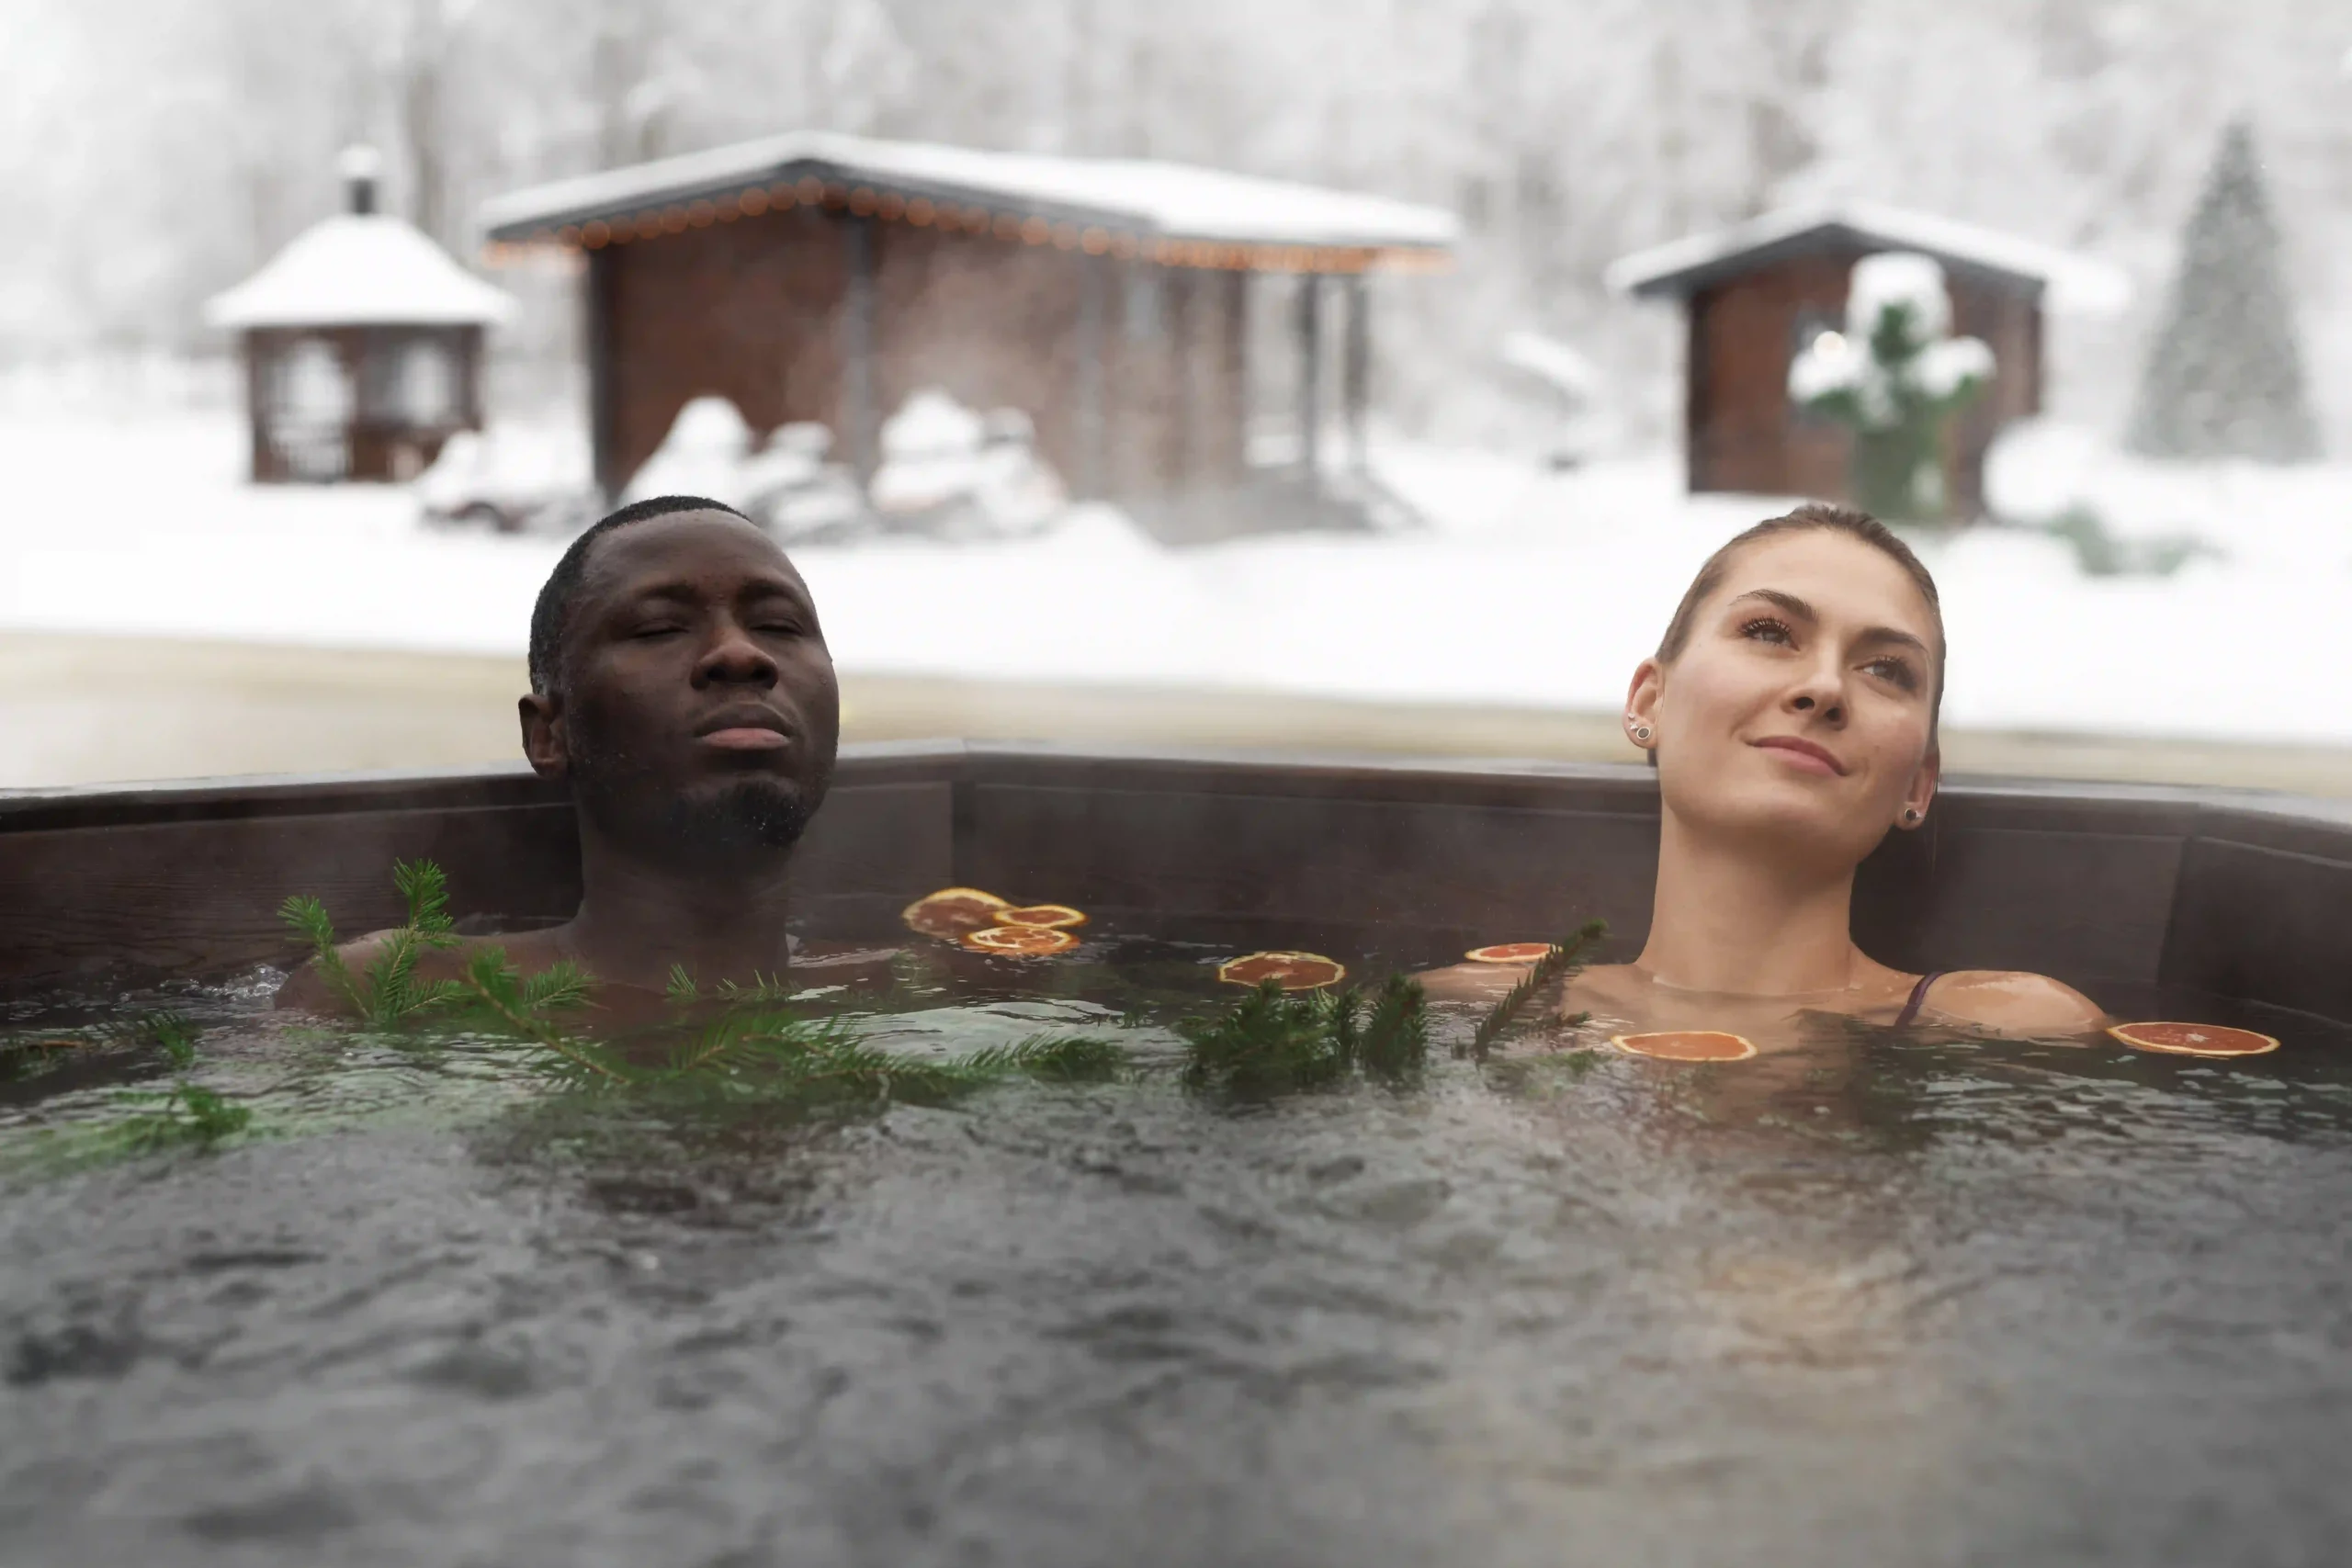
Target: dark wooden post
(1695,409)
(862,434)
(1185,352)
(1310,376)
(1355,369)
(469,374)
(1094,278)
(600,300)
(257,362)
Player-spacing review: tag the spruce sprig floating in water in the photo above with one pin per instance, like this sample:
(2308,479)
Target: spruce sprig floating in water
(185,1114)
(1273,1041)
(1563,959)
(752,1050)
(387,991)
(1395,1042)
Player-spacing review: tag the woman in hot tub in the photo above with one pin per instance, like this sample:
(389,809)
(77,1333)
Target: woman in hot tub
(1791,714)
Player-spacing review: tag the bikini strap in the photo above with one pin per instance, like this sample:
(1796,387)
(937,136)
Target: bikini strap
(1910,1013)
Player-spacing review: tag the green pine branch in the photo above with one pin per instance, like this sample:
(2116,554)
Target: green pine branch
(1273,1041)
(1563,959)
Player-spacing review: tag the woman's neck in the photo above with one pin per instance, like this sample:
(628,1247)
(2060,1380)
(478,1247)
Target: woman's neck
(1730,921)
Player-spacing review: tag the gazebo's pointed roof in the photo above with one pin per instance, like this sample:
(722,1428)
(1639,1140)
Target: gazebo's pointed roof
(360,269)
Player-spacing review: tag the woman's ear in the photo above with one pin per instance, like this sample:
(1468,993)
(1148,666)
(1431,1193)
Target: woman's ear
(1922,790)
(1641,703)
(544,745)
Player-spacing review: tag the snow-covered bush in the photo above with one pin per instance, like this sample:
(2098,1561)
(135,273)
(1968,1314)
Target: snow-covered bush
(1896,377)
(703,455)
(951,473)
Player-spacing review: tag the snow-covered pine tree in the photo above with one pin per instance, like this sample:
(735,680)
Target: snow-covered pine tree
(1896,377)
(2225,377)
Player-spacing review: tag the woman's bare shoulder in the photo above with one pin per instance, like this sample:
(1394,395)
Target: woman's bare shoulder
(2014,1002)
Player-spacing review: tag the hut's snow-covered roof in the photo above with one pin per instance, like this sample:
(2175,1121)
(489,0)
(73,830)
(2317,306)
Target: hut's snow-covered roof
(1682,267)
(359,269)
(1175,201)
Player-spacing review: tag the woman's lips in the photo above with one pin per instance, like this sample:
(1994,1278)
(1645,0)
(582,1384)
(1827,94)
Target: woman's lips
(746,738)
(1803,754)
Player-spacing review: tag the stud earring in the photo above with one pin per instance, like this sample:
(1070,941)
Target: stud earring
(1642,732)
(1910,814)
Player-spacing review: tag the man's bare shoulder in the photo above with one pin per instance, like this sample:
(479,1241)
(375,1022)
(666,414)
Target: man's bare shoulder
(2013,1001)
(310,989)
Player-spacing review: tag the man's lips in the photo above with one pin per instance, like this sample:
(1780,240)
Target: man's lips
(745,731)
(746,738)
(1804,753)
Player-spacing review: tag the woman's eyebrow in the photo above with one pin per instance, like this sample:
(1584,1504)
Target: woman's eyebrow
(1786,600)
(1893,634)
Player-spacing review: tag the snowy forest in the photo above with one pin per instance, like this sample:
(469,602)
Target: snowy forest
(154,152)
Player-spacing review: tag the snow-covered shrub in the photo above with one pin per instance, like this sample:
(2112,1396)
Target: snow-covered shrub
(1896,377)
(951,473)
(703,455)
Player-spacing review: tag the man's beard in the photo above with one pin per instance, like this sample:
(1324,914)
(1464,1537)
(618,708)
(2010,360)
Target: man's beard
(718,827)
(744,817)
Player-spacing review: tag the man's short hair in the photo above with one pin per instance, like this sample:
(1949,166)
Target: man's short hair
(551,616)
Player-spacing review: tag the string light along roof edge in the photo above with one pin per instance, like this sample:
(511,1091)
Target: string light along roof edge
(1175,213)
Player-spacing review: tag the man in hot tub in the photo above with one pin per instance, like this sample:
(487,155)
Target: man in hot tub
(681,686)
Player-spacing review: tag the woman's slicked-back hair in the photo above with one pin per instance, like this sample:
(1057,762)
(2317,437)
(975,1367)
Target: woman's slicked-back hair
(1812,518)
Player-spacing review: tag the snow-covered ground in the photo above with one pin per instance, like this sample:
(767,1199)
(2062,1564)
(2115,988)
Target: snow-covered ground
(1533,589)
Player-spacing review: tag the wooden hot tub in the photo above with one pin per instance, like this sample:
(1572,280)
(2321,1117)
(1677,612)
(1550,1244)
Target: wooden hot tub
(2240,896)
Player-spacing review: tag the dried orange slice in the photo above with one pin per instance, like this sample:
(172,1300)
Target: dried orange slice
(1053,917)
(1292,971)
(1687,1045)
(2194,1039)
(951,911)
(1020,941)
(1509,953)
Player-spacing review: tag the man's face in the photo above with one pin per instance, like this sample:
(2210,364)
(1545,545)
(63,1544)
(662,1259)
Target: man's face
(698,716)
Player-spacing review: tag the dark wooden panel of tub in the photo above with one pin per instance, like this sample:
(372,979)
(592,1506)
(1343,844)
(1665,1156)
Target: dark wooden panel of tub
(196,896)
(186,879)
(2264,910)
(1312,851)
(2083,906)
(2076,884)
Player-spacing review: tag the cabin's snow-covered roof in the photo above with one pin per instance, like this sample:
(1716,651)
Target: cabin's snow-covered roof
(1171,200)
(1681,266)
(359,269)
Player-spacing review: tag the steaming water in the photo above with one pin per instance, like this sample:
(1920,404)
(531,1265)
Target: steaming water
(1878,1301)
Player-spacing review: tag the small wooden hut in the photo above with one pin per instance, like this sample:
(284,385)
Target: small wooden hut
(1758,294)
(362,343)
(827,278)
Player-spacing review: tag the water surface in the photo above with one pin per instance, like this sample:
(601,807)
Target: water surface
(1878,1300)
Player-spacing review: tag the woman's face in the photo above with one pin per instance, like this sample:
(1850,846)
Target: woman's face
(1799,710)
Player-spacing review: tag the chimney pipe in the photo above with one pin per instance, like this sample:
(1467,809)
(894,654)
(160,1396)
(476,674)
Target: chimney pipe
(359,167)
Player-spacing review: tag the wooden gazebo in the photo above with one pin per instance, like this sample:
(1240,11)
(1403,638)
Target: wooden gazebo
(362,343)
(821,277)
(1757,295)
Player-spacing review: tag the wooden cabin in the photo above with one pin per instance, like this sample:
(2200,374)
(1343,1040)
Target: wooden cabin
(827,278)
(362,342)
(1756,294)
